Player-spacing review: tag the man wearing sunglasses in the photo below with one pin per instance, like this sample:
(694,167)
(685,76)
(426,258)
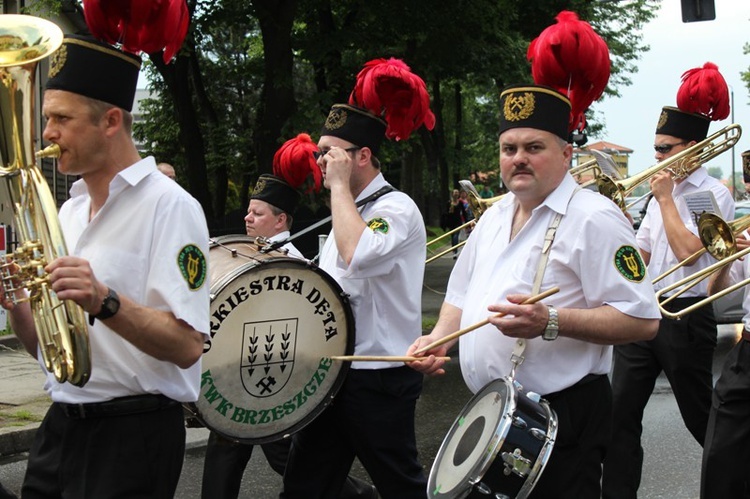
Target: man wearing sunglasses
(682,349)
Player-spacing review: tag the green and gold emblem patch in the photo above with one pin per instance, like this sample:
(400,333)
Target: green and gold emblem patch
(378,225)
(629,263)
(193,266)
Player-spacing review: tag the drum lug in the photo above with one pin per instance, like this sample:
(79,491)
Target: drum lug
(516,463)
(534,396)
(539,434)
(520,423)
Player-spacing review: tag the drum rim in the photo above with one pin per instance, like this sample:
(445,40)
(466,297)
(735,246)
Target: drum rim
(544,453)
(350,339)
(477,472)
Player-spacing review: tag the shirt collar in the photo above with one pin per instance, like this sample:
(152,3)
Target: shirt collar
(375,184)
(558,199)
(131,175)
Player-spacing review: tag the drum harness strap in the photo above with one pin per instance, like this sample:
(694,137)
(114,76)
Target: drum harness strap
(375,195)
(516,357)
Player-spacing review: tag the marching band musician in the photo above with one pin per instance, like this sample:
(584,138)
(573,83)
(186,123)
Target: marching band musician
(727,444)
(377,254)
(137,266)
(548,233)
(683,348)
(273,203)
(605,295)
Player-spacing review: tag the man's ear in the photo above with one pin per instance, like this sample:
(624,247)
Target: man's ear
(113,119)
(281,222)
(365,155)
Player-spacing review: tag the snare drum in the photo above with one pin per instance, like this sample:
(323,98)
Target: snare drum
(497,447)
(275,321)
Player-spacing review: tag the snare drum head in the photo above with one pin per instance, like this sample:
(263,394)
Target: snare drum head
(470,446)
(275,321)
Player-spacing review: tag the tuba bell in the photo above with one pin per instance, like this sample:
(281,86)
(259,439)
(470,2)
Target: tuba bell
(60,324)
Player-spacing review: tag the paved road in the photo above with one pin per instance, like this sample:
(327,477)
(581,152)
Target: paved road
(672,458)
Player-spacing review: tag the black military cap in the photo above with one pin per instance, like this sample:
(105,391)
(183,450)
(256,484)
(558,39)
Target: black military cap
(355,125)
(85,66)
(535,106)
(678,123)
(275,191)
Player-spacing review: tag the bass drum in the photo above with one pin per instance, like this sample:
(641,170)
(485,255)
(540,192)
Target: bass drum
(497,447)
(275,323)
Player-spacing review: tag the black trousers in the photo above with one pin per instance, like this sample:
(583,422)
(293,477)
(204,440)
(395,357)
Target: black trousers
(684,350)
(726,453)
(574,468)
(137,455)
(372,418)
(226,461)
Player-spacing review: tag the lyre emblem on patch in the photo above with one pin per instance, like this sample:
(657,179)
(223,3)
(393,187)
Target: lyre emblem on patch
(629,263)
(336,119)
(267,358)
(662,120)
(192,264)
(519,107)
(57,61)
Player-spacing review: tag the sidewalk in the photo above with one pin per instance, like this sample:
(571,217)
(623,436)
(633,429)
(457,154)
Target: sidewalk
(23,401)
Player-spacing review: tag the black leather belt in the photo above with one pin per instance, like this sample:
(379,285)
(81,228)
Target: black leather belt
(122,406)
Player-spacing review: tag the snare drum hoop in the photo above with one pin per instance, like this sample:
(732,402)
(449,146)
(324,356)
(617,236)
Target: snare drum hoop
(544,453)
(478,471)
(252,259)
(275,258)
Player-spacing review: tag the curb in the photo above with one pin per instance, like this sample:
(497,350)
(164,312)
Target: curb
(17,440)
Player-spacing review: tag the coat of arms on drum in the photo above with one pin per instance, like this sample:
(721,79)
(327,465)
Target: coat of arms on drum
(267,358)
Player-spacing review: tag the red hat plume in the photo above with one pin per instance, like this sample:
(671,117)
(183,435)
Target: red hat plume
(389,86)
(704,91)
(139,25)
(574,60)
(294,162)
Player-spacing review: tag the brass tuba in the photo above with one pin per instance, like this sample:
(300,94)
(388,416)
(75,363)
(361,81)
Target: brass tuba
(60,325)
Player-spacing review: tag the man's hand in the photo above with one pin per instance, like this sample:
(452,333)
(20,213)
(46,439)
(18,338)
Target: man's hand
(520,321)
(662,185)
(431,365)
(73,279)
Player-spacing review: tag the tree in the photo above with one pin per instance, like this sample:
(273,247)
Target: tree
(251,75)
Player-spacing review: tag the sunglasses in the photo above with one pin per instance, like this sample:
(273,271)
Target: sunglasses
(665,148)
(318,154)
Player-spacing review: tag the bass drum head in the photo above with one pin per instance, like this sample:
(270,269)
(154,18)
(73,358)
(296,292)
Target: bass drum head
(468,451)
(266,372)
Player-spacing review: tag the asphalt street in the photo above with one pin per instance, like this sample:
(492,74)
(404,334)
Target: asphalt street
(672,457)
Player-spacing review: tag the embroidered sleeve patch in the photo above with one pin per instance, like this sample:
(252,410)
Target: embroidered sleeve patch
(193,266)
(629,263)
(378,225)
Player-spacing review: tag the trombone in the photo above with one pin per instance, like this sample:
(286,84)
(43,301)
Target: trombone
(718,239)
(680,165)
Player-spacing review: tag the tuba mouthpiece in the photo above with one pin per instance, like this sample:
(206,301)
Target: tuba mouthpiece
(51,151)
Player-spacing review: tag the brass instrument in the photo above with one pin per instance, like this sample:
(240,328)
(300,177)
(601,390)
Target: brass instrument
(61,325)
(718,239)
(680,165)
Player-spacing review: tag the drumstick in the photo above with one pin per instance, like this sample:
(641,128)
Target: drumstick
(379,358)
(461,332)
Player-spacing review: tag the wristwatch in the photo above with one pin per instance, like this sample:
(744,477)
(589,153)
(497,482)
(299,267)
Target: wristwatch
(552,329)
(110,306)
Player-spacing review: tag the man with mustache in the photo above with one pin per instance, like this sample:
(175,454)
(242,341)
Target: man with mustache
(545,233)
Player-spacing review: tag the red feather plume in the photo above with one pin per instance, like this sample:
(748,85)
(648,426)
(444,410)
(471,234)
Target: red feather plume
(389,86)
(294,162)
(573,59)
(139,25)
(704,91)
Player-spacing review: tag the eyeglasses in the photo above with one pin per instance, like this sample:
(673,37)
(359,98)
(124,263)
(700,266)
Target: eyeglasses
(665,148)
(317,154)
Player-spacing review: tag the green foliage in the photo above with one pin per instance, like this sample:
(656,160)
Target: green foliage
(715,172)
(465,50)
